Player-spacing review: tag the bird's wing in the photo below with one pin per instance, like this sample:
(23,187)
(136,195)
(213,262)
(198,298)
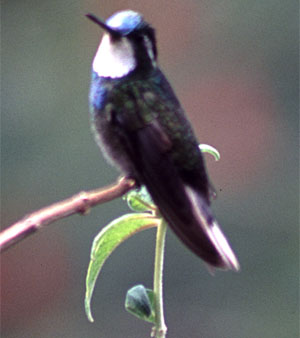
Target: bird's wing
(185,208)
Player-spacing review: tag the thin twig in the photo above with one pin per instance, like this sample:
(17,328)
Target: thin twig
(160,329)
(79,203)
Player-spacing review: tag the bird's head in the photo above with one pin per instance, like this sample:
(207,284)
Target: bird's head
(127,45)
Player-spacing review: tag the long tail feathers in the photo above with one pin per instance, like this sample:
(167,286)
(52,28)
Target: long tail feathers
(190,217)
(211,228)
(184,207)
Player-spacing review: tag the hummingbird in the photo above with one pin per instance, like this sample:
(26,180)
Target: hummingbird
(142,130)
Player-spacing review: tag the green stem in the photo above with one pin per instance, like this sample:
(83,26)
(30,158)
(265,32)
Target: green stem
(160,328)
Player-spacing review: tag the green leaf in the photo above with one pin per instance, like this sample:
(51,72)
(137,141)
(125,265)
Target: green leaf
(139,302)
(105,243)
(205,148)
(140,200)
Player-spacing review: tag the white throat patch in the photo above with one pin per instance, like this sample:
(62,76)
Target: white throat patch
(114,59)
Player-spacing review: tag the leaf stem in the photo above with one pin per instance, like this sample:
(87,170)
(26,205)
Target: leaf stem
(160,329)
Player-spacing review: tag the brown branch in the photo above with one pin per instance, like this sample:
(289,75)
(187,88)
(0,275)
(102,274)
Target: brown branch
(79,203)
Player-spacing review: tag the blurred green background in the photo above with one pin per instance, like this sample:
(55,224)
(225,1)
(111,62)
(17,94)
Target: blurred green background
(234,66)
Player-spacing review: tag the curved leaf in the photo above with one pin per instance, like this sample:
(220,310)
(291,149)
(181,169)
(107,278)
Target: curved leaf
(105,243)
(140,200)
(205,148)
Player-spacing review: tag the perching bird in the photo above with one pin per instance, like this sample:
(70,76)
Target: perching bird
(142,129)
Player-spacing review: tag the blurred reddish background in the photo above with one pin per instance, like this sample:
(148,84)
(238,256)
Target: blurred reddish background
(234,66)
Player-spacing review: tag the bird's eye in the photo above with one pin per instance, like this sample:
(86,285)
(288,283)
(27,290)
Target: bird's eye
(140,37)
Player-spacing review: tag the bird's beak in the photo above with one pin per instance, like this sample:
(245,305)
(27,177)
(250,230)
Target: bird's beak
(102,24)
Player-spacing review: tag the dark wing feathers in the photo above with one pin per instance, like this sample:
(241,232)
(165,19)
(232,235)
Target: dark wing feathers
(155,169)
(180,193)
